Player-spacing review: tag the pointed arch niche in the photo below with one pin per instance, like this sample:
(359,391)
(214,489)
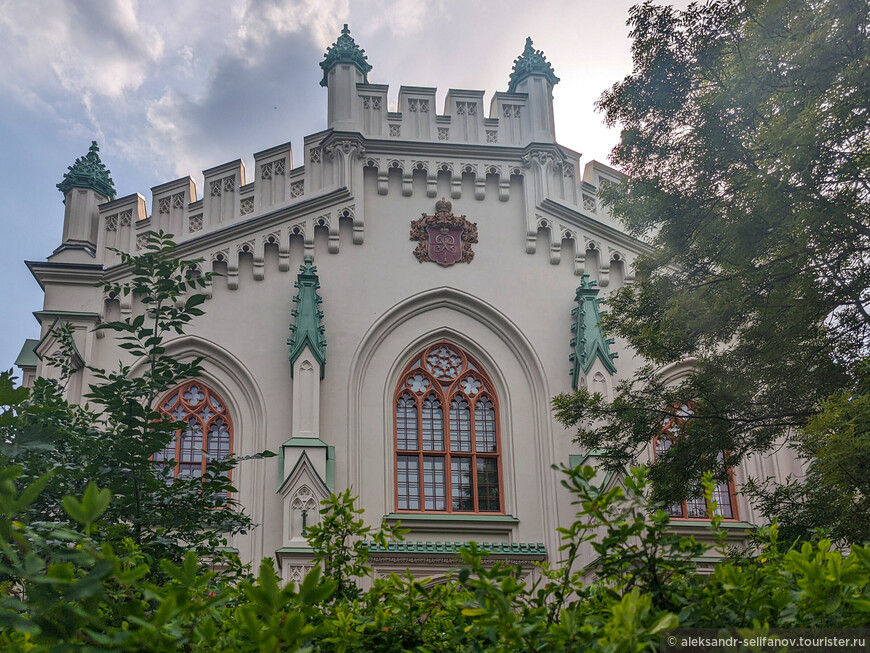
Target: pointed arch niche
(233,382)
(498,348)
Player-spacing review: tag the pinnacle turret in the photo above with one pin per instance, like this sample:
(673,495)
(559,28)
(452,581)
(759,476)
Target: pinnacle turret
(531,62)
(88,172)
(345,50)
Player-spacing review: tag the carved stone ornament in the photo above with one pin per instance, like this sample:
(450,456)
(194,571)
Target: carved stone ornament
(444,238)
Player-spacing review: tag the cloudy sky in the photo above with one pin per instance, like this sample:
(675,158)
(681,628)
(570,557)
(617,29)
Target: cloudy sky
(169,88)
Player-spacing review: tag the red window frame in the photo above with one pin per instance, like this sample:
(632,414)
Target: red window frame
(206,413)
(670,431)
(447,456)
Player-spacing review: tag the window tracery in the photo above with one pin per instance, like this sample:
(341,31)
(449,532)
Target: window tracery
(447,462)
(207,437)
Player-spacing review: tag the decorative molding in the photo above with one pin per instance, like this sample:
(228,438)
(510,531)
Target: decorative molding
(452,243)
(344,50)
(88,171)
(531,62)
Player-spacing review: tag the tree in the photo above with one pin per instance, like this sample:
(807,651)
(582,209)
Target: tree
(746,140)
(111,440)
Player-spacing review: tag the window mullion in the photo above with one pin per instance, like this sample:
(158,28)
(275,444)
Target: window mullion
(421,471)
(472,414)
(448,468)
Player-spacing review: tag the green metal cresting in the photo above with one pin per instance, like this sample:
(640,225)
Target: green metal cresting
(345,50)
(88,172)
(531,62)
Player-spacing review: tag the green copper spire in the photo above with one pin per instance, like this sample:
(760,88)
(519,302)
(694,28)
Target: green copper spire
(589,342)
(531,62)
(345,50)
(88,172)
(308,331)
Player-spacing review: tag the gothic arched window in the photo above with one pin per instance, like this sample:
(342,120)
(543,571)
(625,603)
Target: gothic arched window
(724,494)
(448,454)
(209,432)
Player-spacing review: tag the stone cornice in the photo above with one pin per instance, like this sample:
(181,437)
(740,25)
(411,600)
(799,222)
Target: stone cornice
(73,274)
(593,226)
(241,229)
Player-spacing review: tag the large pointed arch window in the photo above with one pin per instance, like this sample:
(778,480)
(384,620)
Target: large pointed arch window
(724,494)
(207,437)
(448,452)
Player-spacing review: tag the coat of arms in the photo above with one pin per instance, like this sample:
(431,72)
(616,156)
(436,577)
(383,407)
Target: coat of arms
(444,238)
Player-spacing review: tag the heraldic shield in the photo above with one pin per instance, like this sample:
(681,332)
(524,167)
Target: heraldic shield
(444,238)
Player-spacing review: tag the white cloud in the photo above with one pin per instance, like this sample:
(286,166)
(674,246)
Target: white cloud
(260,21)
(88,48)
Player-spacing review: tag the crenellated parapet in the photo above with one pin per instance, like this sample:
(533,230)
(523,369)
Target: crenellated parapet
(506,152)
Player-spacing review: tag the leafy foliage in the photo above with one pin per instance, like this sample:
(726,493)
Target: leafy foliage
(111,441)
(745,138)
(67,590)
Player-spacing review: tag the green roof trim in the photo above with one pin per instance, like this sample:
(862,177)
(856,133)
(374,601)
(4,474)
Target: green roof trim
(408,517)
(295,549)
(88,172)
(307,331)
(77,357)
(452,548)
(345,50)
(27,356)
(589,341)
(531,62)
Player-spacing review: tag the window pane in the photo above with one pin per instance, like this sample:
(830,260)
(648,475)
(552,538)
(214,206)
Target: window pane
(461,484)
(662,445)
(487,485)
(408,482)
(186,470)
(434,483)
(191,442)
(675,510)
(433,424)
(218,440)
(696,508)
(722,497)
(460,425)
(406,423)
(484,426)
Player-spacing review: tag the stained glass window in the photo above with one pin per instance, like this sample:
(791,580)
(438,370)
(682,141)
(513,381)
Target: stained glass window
(447,463)
(207,437)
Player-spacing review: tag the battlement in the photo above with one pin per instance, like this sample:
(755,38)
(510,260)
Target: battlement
(464,151)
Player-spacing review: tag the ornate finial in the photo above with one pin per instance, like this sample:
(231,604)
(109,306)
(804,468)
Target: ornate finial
(307,331)
(88,172)
(531,62)
(345,50)
(443,206)
(589,340)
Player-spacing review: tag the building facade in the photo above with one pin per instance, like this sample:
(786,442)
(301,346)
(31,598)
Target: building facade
(393,315)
